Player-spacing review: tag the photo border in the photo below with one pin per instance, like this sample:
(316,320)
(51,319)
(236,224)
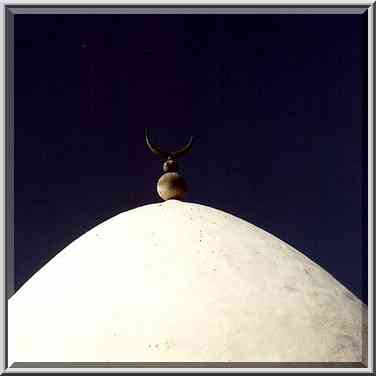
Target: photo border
(7,12)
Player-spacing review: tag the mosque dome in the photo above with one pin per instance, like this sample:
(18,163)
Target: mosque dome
(183,282)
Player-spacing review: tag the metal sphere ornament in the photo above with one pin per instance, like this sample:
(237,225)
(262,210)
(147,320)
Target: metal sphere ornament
(171,185)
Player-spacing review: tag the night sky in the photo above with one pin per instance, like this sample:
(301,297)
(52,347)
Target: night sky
(277,104)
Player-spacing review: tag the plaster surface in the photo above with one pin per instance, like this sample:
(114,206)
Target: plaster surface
(183,282)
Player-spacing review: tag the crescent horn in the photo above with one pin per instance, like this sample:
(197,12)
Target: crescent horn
(154,148)
(183,150)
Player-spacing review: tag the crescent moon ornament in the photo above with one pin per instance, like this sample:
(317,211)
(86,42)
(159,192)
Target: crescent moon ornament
(171,185)
(165,155)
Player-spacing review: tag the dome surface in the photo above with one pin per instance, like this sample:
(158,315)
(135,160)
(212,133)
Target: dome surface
(182,282)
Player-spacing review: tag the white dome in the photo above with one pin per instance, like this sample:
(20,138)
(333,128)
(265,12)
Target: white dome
(182,282)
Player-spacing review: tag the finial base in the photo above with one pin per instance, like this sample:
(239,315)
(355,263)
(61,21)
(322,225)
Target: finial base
(171,185)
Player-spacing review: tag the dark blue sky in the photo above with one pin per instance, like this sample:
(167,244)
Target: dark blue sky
(277,104)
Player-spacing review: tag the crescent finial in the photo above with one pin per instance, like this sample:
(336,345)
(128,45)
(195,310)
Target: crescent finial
(171,185)
(165,155)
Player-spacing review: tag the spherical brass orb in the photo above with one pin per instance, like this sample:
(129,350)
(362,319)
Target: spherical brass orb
(171,185)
